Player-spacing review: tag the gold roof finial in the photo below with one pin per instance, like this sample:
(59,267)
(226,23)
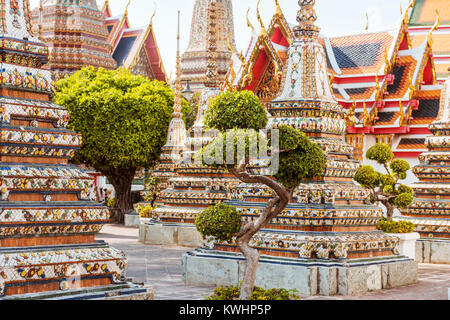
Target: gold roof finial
(249,24)
(258,15)
(178,86)
(367,21)
(433,29)
(153,15)
(278,8)
(126,8)
(410,5)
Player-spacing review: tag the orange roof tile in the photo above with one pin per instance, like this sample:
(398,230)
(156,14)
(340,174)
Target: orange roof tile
(424,12)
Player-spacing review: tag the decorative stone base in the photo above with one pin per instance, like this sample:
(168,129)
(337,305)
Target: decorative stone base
(170,234)
(433,251)
(407,246)
(132,220)
(327,278)
(126,291)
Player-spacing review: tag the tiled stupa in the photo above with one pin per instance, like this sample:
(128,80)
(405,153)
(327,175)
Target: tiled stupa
(195,61)
(194,187)
(172,152)
(326,241)
(431,210)
(76,34)
(48,219)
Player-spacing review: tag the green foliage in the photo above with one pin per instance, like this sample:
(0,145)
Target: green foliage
(110,203)
(404,200)
(368,177)
(233,293)
(390,192)
(381,153)
(241,142)
(123,118)
(145,211)
(236,110)
(299,158)
(220,221)
(395,226)
(400,166)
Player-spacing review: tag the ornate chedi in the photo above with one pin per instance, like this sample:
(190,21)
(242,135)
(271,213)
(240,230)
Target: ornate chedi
(431,210)
(385,82)
(177,137)
(194,63)
(79,34)
(326,241)
(48,219)
(75,33)
(194,187)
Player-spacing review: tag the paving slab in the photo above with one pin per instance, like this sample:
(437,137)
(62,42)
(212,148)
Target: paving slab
(160,266)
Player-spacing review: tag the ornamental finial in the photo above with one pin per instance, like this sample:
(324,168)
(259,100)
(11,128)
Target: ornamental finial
(306,18)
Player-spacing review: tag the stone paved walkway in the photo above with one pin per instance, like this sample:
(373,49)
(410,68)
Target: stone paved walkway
(160,266)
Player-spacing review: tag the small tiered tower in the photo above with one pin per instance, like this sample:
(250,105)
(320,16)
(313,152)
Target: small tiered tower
(194,187)
(431,210)
(48,218)
(76,35)
(194,63)
(177,136)
(326,241)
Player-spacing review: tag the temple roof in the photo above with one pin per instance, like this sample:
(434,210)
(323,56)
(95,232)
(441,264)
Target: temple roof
(132,45)
(424,12)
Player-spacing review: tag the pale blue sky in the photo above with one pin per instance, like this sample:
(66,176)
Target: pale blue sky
(334,17)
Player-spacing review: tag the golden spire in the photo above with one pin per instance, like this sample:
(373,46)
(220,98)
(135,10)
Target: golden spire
(367,21)
(258,15)
(151,19)
(126,8)
(278,8)
(406,17)
(249,24)
(433,29)
(178,87)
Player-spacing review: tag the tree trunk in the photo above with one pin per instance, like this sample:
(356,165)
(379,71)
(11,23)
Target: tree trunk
(122,181)
(273,209)
(390,210)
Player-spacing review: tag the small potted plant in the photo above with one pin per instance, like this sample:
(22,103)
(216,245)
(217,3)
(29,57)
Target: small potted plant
(387,190)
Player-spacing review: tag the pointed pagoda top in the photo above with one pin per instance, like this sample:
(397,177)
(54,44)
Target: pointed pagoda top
(177,136)
(306,75)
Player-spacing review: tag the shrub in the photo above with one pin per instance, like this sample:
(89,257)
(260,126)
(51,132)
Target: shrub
(145,211)
(110,203)
(232,293)
(381,153)
(220,221)
(390,226)
(236,110)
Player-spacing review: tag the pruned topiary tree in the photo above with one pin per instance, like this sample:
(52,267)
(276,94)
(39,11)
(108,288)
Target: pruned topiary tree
(123,119)
(385,188)
(239,116)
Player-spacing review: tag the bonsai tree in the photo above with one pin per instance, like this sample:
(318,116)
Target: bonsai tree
(153,189)
(386,188)
(123,119)
(239,116)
